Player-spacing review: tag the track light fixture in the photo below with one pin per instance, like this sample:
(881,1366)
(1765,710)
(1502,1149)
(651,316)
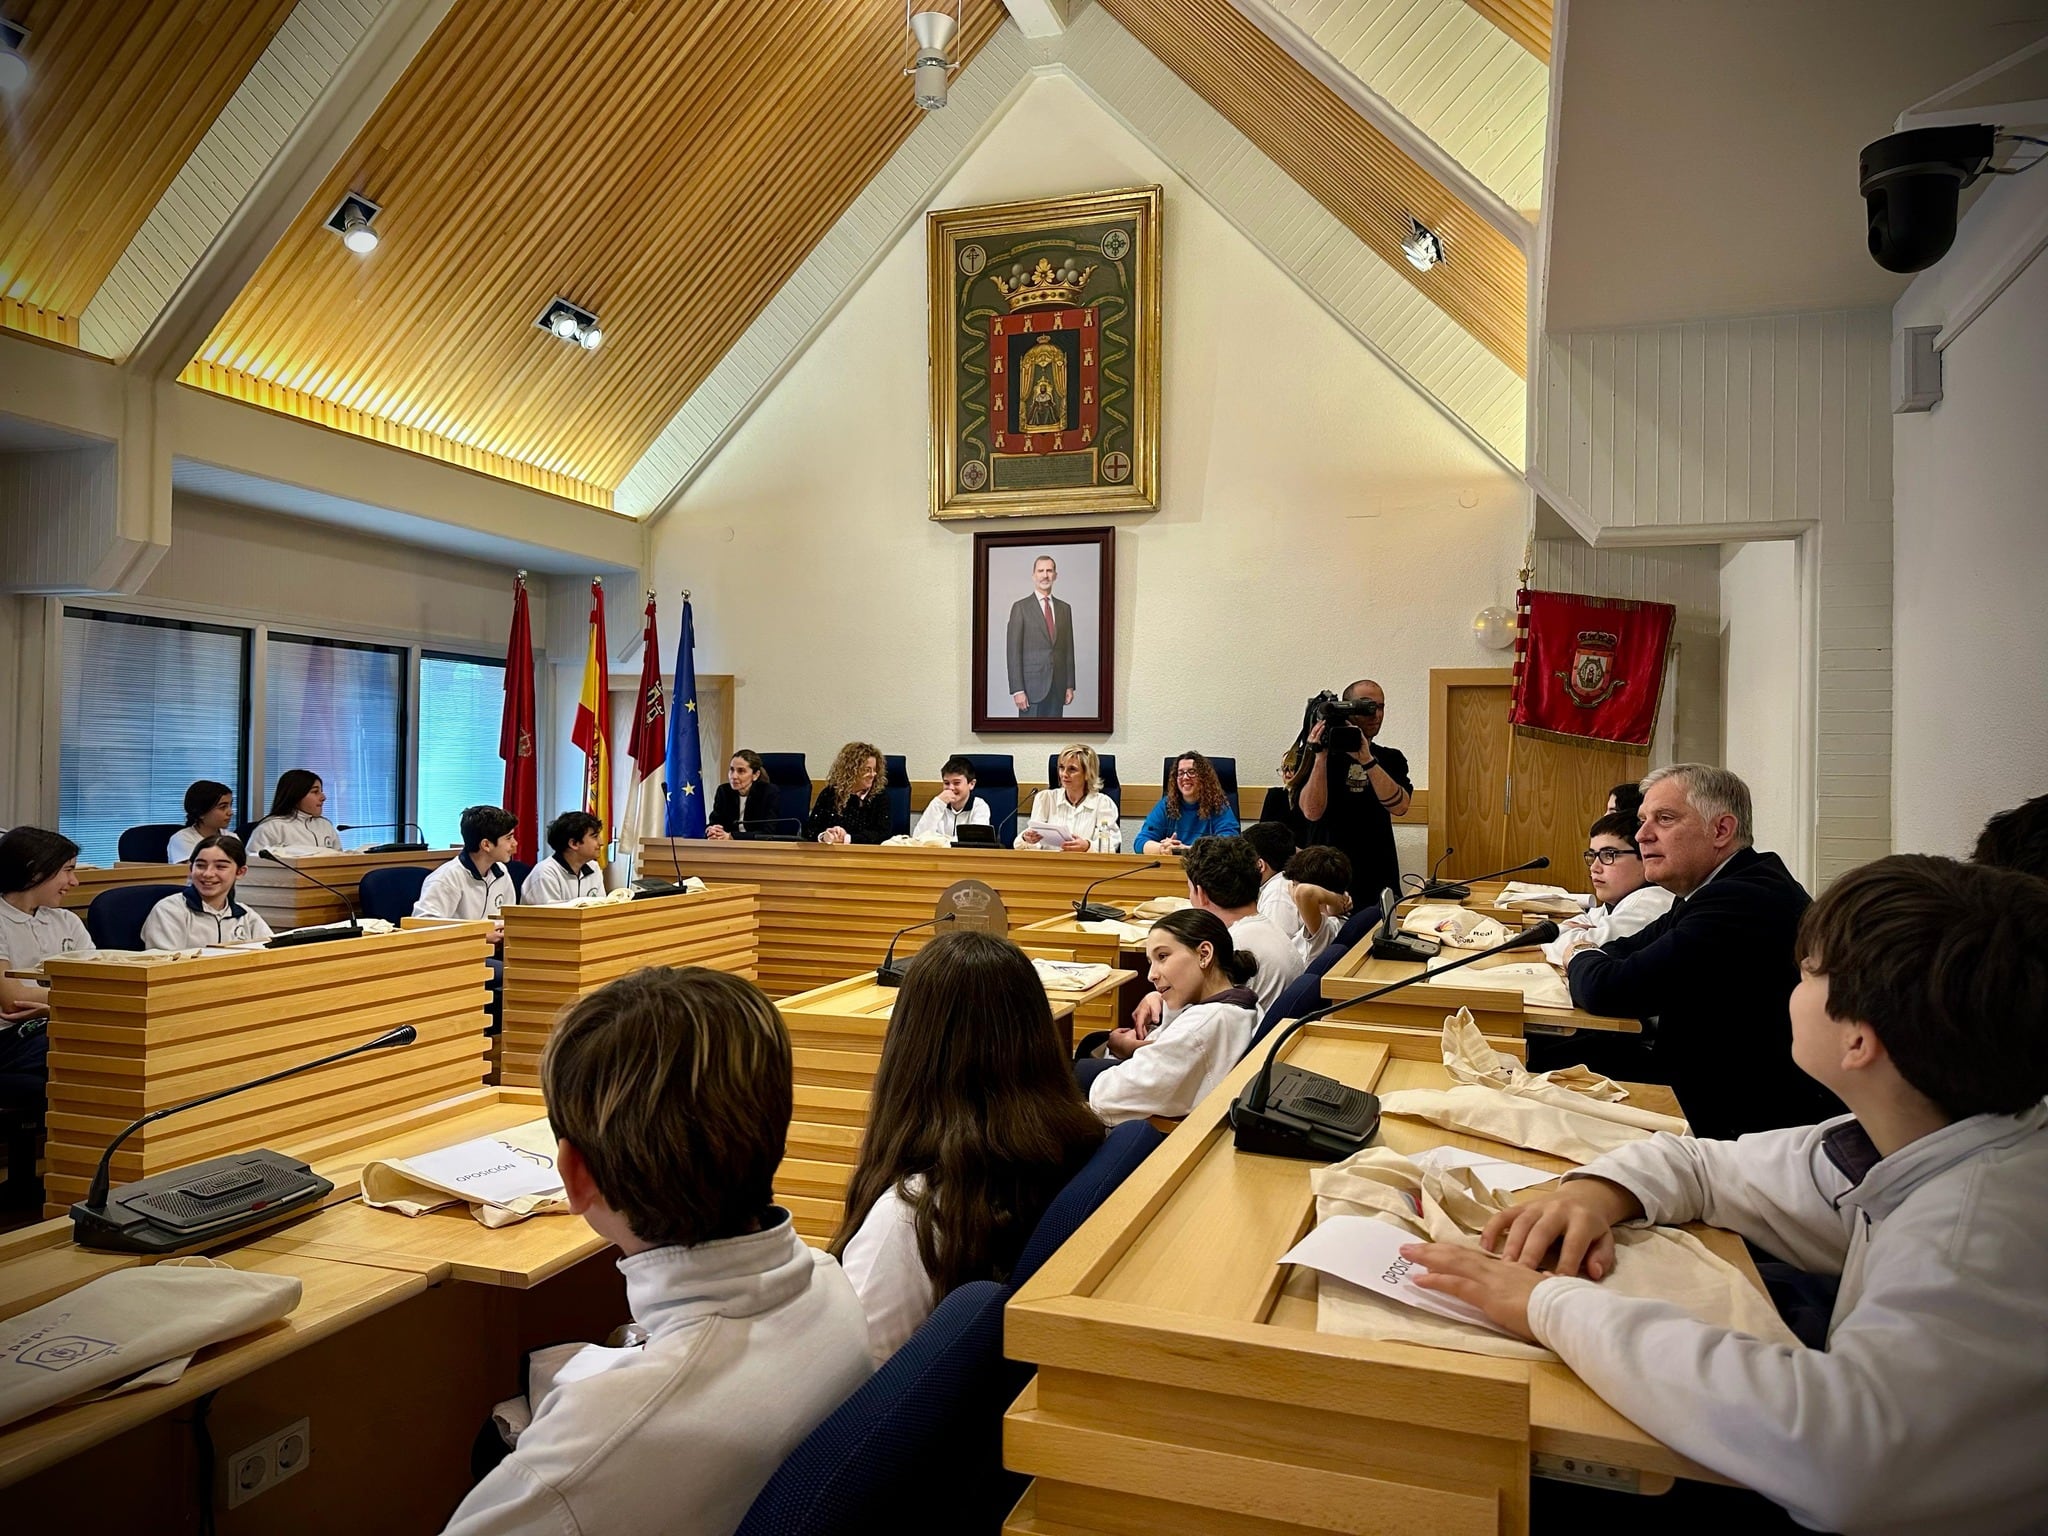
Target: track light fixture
(13,67)
(1423,247)
(351,220)
(572,323)
(933,31)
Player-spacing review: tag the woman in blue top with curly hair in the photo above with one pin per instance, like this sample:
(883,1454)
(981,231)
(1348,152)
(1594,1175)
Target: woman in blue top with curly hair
(1192,806)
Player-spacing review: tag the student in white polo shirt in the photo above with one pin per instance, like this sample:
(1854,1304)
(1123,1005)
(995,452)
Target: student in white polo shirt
(956,805)
(206,912)
(36,869)
(477,884)
(570,871)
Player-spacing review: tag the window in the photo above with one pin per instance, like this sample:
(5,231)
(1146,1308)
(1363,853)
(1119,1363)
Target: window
(462,701)
(149,706)
(338,709)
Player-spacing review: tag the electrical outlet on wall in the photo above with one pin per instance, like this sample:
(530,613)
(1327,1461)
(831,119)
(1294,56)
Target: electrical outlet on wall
(260,1467)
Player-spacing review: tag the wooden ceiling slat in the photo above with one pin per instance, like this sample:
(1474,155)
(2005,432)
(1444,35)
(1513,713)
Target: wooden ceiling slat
(119,95)
(1528,22)
(708,145)
(1341,160)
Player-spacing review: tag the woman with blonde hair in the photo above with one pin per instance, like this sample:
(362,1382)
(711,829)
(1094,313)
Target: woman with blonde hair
(1078,808)
(1193,807)
(853,807)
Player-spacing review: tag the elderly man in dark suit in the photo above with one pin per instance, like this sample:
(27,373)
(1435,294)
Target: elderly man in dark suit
(1040,648)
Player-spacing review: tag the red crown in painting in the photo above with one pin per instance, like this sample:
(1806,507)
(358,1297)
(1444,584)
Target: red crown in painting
(1046,286)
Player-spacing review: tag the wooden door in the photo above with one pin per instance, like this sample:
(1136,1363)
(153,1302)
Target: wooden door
(1496,798)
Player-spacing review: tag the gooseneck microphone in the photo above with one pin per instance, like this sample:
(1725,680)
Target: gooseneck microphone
(347,904)
(418,845)
(1086,911)
(1433,888)
(1290,1112)
(889,973)
(1460,889)
(206,1200)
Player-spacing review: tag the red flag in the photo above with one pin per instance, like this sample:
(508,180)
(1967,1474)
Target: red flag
(515,731)
(1589,669)
(649,746)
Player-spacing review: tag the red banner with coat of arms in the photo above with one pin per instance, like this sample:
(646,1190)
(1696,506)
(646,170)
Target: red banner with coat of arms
(1589,669)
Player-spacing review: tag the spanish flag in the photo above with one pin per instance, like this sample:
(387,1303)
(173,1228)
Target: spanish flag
(593,728)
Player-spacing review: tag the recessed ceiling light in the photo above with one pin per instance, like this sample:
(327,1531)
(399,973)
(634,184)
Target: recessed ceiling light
(571,322)
(13,67)
(351,220)
(1423,248)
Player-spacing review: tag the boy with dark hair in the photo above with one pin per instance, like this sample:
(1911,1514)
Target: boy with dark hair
(1273,845)
(2017,839)
(1319,885)
(571,870)
(955,805)
(1922,995)
(670,1093)
(476,884)
(1223,878)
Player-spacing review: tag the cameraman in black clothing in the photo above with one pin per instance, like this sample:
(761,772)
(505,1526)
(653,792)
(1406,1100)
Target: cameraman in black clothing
(1349,789)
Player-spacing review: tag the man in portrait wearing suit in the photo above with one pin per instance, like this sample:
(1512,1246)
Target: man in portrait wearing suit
(1040,647)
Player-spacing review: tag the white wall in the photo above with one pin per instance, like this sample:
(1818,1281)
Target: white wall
(1320,520)
(1971,541)
(1760,718)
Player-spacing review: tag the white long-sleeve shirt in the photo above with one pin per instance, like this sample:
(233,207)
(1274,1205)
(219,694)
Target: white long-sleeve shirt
(1188,1052)
(888,1276)
(1050,807)
(1632,914)
(1279,961)
(184,921)
(551,882)
(751,1342)
(457,890)
(297,830)
(939,819)
(1927,1413)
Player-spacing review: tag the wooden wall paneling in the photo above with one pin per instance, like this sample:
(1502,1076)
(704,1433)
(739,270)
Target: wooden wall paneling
(288,900)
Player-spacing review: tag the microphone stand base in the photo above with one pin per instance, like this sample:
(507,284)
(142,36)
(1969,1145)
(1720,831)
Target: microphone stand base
(1406,947)
(890,973)
(1307,1116)
(198,1205)
(1097,912)
(1445,891)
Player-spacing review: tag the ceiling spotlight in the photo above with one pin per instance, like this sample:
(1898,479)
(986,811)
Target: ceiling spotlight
(1423,248)
(13,67)
(571,322)
(351,220)
(933,31)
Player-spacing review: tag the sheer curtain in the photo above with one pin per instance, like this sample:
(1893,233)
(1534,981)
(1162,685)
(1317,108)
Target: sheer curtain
(338,709)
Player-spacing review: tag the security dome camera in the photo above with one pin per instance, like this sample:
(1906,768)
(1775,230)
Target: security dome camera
(1910,182)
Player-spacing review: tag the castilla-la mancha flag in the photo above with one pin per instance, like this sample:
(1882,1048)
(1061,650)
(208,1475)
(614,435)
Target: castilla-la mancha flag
(1589,669)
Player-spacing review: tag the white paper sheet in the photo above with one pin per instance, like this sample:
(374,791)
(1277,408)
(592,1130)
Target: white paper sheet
(1496,1173)
(1366,1252)
(1051,839)
(492,1169)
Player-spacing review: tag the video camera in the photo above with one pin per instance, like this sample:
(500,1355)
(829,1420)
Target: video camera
(1339,716)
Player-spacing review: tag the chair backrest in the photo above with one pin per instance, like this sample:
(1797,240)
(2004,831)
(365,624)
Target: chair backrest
(1106,761)
(896,785)
(518,869)
(1306,990)
(115,917)
(1226,775)
(792,781)
(391,892)
(924,1433)
(149,843)
(1121,1151)
(995,780)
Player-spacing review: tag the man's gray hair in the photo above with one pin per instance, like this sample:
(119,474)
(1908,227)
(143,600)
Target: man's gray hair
(1712,792)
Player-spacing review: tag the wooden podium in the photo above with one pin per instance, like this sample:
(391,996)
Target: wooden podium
(129,1038)
(287,900)
(554,955)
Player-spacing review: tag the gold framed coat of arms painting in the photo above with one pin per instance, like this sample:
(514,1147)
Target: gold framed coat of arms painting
(1045,356)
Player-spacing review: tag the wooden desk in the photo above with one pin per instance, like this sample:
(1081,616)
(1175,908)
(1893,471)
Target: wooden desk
(117,876)
(836,1035)
(1181,1385)
(1425,1004)
(126,1039)
(554,955)
(828,912)
(287,900)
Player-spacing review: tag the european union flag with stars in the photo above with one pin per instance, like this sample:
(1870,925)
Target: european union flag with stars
(686,808)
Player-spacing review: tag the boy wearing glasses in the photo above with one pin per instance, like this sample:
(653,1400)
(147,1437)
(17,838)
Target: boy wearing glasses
(1624,901)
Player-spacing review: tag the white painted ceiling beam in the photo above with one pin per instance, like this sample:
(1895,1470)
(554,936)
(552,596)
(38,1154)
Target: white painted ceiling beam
(1038,18)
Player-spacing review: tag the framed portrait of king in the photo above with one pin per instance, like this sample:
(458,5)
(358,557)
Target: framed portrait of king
(1045,356)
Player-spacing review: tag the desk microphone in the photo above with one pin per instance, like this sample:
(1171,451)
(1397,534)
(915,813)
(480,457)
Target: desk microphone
(1432,887)
(1008,821)
(1290,1112)
(890,974)
(347,904)
(1459,890)
(419,846)
(208,1200)
(1389,945)
(1086,911)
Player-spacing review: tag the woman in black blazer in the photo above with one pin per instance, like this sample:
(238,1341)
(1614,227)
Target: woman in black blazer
(745,799)
(853,807)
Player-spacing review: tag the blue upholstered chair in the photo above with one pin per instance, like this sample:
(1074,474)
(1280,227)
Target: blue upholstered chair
(518,869)
(792,781)
(920,1440)
(1306,990)
(115,917)
(1121,1151)
(995,780)
(1112,786)
(149,843)
(1226,775)
(896,784)
(391,892)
